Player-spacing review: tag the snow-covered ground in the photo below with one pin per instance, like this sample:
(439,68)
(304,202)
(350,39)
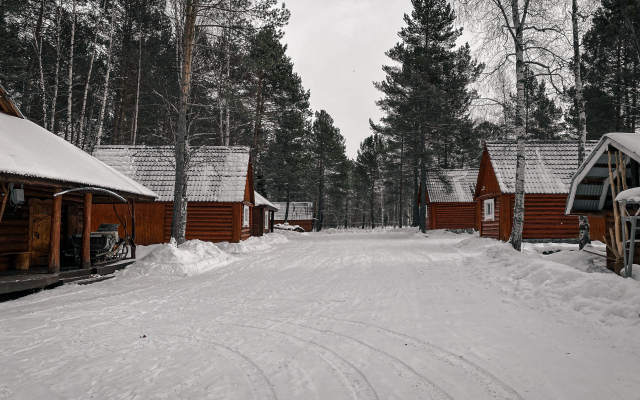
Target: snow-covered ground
(333,316)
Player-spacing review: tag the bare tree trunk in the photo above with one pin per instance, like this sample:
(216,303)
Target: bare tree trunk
(179,221)
(134,132)
(54,100)
(69,129)
(518,210)
(423,185)
(583,237)
(227,84)
(35,55)
(42,84)
(80,134)
(106,82)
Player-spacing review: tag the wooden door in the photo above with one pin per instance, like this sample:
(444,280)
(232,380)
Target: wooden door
(39,232)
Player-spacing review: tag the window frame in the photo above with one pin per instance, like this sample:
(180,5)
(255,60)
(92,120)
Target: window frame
(489,209)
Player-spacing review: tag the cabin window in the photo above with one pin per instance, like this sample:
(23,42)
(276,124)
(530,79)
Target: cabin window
(489,210)
(245,217)
(266,218)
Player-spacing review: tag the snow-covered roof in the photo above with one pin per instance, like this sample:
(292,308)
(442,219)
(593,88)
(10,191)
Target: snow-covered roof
(298,211)
(29,150)
(590,188)
(216,173)
(452,185)
(549,165)
(262,201)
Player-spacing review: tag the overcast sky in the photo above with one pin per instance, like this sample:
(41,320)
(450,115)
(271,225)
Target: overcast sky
(337,47)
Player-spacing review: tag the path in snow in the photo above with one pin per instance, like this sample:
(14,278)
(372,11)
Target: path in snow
(339,316)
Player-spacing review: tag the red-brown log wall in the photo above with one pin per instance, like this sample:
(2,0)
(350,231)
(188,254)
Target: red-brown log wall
(452,216)
(14,234)
(210,222)
(150,220)
(257,221)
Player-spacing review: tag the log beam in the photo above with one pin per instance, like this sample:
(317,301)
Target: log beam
(86,231)
(54,249)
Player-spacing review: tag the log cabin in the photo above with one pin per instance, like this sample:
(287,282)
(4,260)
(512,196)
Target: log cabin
(48,190)
(590,187)
(262,216)
(300,213)
(450,203)
(549,168)
(220,193)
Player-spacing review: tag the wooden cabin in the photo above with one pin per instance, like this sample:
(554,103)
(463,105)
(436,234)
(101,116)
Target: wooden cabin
(48,191)
(300,213)
(549,168)
(219,193)
(590,187)
(262,216)
(450,203)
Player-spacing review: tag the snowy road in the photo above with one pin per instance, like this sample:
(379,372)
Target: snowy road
(334,316)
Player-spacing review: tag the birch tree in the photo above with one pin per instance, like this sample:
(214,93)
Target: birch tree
(69,129)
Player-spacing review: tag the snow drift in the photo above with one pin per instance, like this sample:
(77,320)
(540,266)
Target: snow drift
(252,244)
(190,258)
(603,297)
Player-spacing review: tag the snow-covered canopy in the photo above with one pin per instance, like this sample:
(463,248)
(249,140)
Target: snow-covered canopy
(629,195)
(298,211)
(452,185)
(216,173)
(590,187)
(549,165)
(28,150)
(262,201)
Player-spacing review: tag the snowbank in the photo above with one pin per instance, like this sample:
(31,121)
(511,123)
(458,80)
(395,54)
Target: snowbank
(606,298)
(190,258)
(252,244)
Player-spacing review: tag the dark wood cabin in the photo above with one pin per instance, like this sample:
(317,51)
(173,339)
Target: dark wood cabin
(48,191)
(549,168)
(300,213)
(262,216)
(450,203)
(220,191)
(590,187)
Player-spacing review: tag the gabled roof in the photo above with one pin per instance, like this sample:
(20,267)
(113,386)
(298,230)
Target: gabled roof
(549,165)
(589,186)
(262,201)
(216,173)
(298,211)
(452,185)
(28,150)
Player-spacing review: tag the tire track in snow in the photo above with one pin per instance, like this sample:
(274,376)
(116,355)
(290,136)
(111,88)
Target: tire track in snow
(495,386)
(260,386)
(390,360)
(357,382)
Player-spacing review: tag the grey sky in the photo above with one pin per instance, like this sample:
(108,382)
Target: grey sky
(337,47)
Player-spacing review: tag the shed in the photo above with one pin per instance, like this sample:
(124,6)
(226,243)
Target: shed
(262,218)
(300,213)
(549,167)
(590,186)
(48,191)
(450,203)
(219,193)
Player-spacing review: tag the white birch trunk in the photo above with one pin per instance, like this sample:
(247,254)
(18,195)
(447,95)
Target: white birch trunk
(106,83)
(583,237)
(137,107)
(42,84)
(69,129)
(518,210)
(80,134)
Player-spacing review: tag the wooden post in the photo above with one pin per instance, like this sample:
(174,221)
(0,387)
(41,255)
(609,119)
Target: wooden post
(133,228)
(5,197)
(54,249)
(86,231)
